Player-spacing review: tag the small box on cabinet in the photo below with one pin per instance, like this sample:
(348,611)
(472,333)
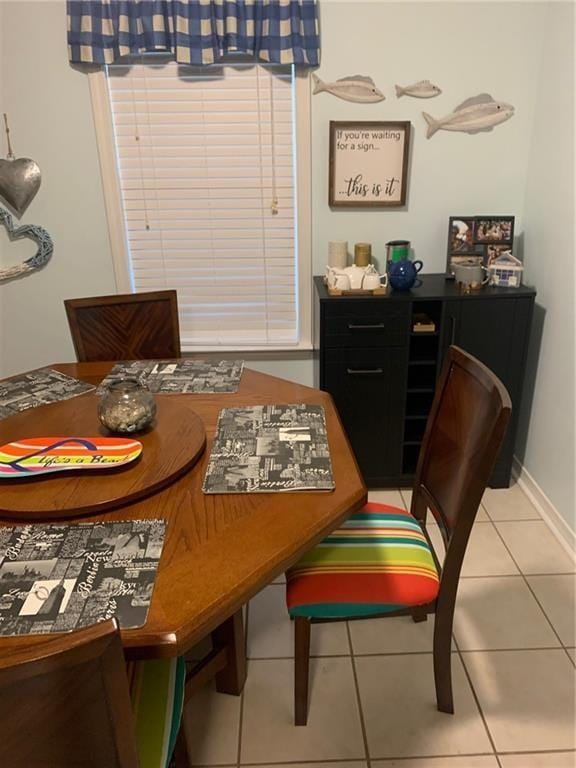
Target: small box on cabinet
(506,271)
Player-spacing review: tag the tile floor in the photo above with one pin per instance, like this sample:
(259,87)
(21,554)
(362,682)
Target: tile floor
(372,692)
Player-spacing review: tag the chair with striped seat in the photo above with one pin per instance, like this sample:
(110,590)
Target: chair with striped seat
(66,701)
(381,562)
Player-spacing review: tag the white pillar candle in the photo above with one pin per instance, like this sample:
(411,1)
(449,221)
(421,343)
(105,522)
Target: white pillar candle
(338,254)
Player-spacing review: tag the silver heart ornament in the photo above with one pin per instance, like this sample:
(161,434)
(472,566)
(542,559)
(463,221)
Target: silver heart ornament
(19,181)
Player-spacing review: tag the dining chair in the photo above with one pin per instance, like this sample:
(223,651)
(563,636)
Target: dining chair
(67,702)
(381,561)
(133,326)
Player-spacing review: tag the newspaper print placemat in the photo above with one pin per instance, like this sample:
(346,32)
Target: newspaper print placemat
(270,448)
(56,578)
(183,377)
(40,387)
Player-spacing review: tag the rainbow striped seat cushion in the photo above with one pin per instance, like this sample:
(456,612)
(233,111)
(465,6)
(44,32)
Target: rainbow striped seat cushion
(378,561)
(157,694)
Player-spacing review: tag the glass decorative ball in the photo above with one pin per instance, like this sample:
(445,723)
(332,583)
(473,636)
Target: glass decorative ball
(127,406)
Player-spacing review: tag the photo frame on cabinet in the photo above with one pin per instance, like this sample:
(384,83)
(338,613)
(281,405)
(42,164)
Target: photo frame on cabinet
(368,165)
(462,248)
(474,239)
(461,235)
(494,229)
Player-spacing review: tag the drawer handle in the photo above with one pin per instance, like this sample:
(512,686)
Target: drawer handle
(360,327)
(364,371)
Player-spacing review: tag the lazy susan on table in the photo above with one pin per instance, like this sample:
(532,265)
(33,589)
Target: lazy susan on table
(170,449)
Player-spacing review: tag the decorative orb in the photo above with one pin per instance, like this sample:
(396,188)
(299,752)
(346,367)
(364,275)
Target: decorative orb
(127,406)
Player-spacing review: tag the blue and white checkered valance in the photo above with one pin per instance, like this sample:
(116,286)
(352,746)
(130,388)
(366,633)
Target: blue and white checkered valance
(194,31)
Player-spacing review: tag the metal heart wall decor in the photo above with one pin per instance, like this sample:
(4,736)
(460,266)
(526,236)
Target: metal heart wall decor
(34,233)
(20,179)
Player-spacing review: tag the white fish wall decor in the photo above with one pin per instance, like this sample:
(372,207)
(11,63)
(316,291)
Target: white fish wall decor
(423,89)
(358,88)
(480,113)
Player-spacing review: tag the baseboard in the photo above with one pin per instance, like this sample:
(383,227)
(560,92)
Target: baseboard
(553,519)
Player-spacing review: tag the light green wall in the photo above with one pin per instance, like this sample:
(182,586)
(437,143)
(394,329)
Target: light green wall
(48,104)
(465,48)
(546,444)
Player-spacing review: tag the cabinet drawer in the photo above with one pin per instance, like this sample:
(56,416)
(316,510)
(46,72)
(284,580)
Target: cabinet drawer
(368,324)
(368,389)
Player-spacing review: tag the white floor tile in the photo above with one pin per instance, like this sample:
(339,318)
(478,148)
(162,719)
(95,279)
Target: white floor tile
(334,764)
(486,555)
(481,515)
(539,760)
(211,722)
(398,634)
(406,494)
(333,731)
(470,761)
(527,698)
(399,706)
(436,539)
(535,548)
(392,497)
(271,633)
(557,596)
(509,504)
(499,612)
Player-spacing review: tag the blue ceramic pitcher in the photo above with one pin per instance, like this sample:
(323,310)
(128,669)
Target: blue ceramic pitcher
(402,274)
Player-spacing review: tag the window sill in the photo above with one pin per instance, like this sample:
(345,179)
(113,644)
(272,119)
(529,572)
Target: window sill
(188,350)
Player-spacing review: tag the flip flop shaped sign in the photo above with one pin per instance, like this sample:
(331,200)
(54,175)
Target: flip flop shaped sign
(43,455)
(38,235)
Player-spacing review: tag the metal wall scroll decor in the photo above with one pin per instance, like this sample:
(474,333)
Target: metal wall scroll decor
(32,232)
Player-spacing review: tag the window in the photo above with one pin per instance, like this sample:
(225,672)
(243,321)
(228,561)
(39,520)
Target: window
(201,176)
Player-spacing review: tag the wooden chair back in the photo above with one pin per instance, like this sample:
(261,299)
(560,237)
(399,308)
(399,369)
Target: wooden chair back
(133,326)
(465,430)
(65,703)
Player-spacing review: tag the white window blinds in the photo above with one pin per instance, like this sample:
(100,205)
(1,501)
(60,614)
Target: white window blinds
(206,165)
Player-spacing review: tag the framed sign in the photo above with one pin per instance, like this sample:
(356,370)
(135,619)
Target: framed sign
(368,164)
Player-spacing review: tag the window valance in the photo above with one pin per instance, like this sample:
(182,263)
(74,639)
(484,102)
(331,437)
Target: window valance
(194,31)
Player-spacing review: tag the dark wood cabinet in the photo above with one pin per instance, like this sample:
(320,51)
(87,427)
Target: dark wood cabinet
(382,374)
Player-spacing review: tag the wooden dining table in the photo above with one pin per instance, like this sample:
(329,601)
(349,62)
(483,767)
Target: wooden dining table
(219,550)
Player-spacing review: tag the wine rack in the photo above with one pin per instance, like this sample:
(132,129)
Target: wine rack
(423,369)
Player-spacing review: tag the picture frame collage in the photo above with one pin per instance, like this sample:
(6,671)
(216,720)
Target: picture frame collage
(480,240)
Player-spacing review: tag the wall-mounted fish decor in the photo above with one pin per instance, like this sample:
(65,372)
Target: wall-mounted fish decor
(480,113)
(358,88)
(423,89)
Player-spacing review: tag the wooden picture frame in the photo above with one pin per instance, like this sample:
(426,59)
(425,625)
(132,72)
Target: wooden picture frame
(368,165)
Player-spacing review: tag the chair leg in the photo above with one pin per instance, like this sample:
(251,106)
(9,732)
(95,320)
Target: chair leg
(180,758)
(419,615)
(443,661)
(301,669)
(230,635)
